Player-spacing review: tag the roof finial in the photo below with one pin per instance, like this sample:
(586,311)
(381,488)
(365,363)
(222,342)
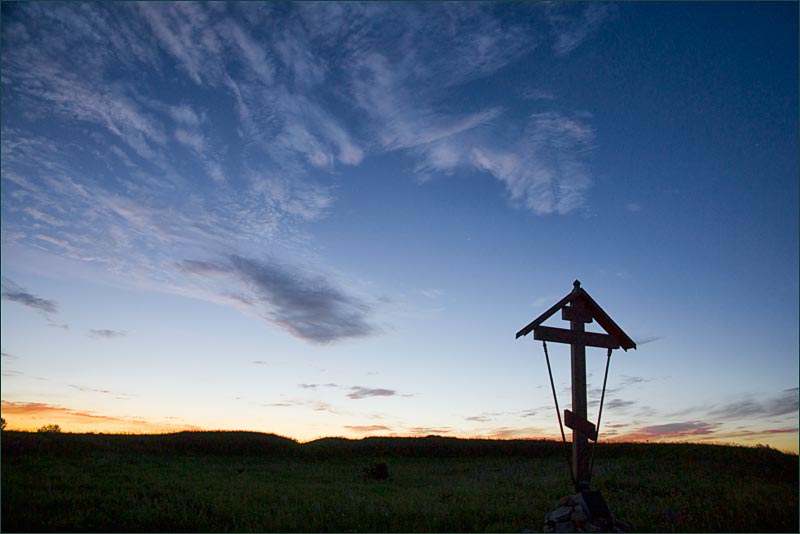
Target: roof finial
(576,284)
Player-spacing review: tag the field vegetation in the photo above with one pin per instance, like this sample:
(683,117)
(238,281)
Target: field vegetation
(243,482)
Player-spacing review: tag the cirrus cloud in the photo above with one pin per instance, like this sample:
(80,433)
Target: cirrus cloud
(106,333)
(359,392)
(14,293)
(309,305)
(785,403)
(136,175)
(685,429)
(368,428)
(546,170)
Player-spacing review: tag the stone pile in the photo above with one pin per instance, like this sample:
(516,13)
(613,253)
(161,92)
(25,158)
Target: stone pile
(574,515)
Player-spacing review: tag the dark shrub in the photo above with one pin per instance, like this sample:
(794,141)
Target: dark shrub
(377,471)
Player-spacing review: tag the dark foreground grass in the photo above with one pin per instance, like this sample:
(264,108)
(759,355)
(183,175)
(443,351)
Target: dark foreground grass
(215,482)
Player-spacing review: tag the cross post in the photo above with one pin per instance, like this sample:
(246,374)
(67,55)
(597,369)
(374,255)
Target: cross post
(580,442)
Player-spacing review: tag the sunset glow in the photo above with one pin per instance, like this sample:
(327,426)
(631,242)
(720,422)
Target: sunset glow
(330,219)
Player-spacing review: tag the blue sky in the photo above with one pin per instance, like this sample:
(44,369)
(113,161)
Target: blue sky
(322,219)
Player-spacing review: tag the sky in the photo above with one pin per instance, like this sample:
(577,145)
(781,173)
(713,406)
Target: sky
(331,219)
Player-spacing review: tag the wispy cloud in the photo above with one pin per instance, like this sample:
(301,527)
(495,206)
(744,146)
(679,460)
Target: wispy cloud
(185,114)
(42,74)
(193,140)
(91,390)
(203,267)
(280,404)
(14,293)
(628,380)
(106,333)
(623,383)
(512,433)
(546,170)
(687,429)
(317,386)
(491,416)
(616,404)
(128,232)
(313,405)
(633,207)
(323,407)
(399,95)
(572,24)
(252,53)
(754,435)
(179,29)
(359,392)
(431,293)
(785,403)
(85,389)
(309,305)
(25,408)
(538,94)
(478,418)
(300,95)
(368,428)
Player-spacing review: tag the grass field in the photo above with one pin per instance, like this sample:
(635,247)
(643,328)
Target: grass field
(239,481)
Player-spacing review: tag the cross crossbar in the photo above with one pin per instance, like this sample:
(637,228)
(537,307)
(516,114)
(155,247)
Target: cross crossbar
(575,422)
(589,339)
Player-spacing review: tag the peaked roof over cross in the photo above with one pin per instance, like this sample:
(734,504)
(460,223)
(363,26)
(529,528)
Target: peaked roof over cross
(597,313)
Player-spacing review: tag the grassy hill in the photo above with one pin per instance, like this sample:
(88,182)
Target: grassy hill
(248,481)
(200,443)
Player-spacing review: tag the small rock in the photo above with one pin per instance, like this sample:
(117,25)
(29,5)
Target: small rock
(559,515)
(569,500)
(578,515)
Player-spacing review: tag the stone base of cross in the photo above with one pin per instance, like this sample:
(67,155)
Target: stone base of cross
(583,512)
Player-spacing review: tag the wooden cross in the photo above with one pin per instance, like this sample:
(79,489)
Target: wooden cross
(579,309)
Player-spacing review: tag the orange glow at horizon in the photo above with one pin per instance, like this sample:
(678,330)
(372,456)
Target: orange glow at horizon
(782,441)
(34,415)
(29,416)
